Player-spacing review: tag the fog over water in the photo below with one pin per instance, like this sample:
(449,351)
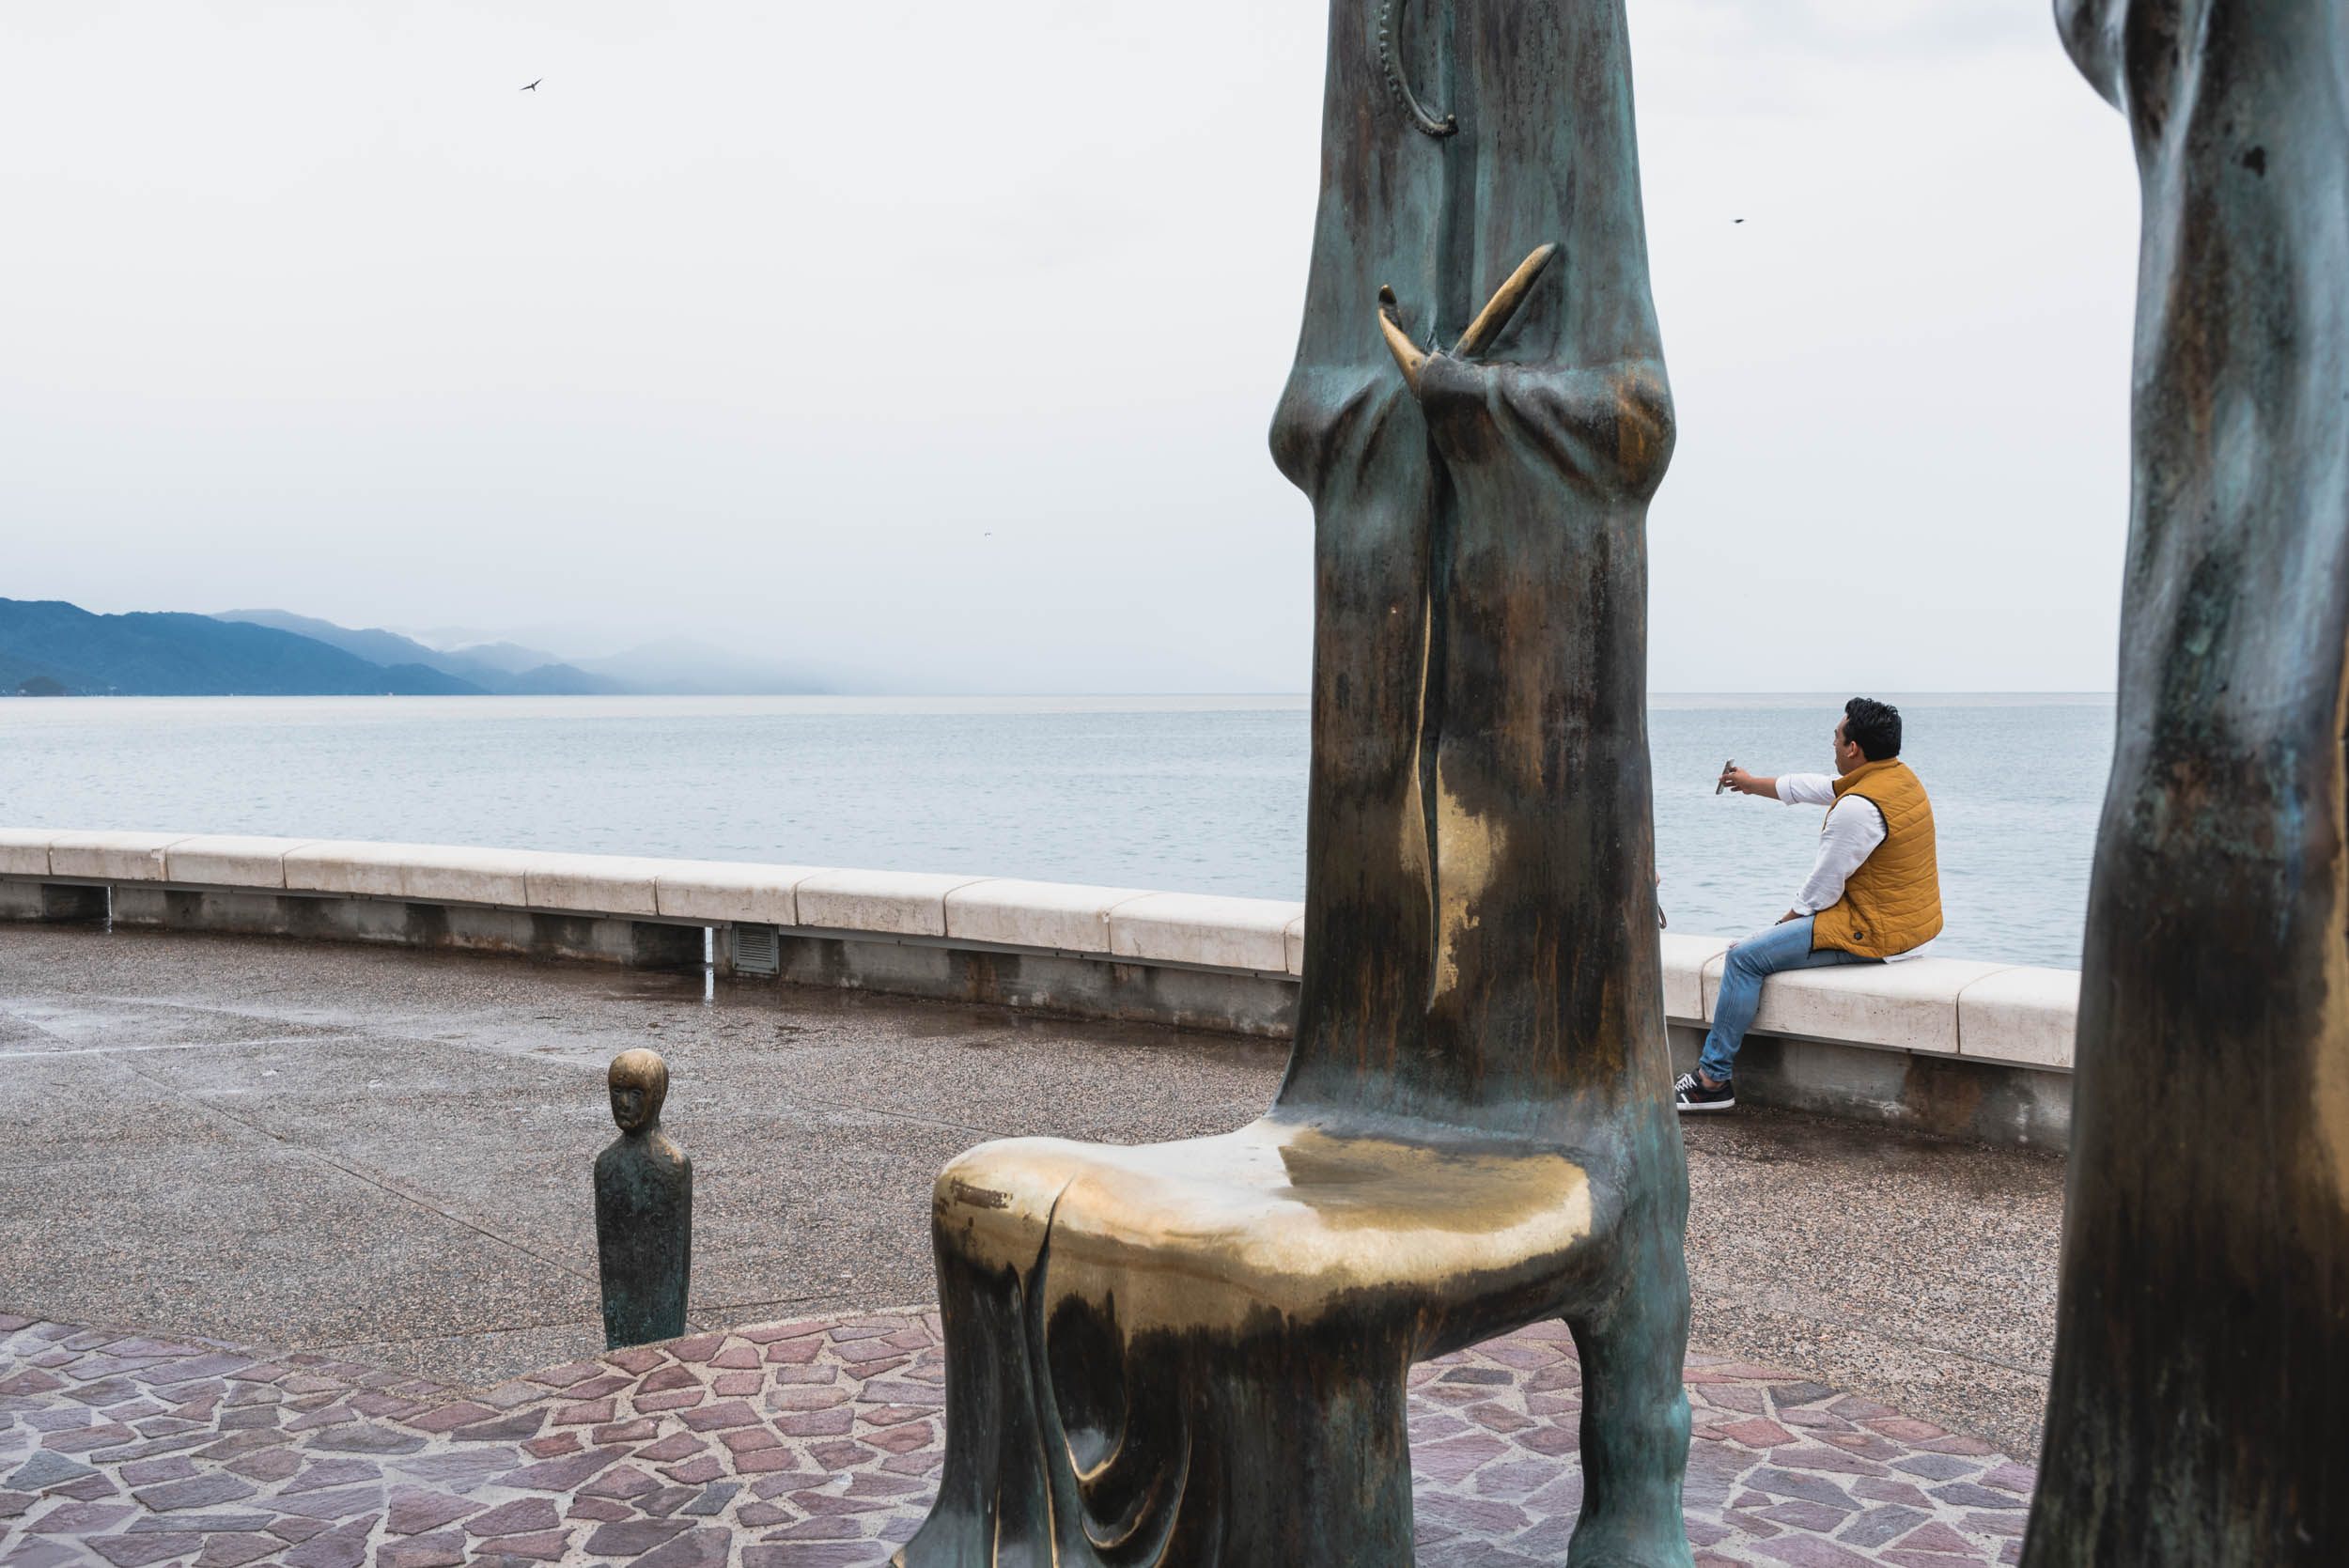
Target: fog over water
(1193,794)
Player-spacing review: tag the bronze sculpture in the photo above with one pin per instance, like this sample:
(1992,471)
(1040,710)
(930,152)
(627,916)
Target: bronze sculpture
(643,1210)
(1195,1352)
(2203,1329)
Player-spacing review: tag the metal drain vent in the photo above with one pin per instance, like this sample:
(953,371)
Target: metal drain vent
(756,949)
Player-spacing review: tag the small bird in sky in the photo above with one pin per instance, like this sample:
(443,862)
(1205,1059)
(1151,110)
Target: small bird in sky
(1737,220)
(534,87)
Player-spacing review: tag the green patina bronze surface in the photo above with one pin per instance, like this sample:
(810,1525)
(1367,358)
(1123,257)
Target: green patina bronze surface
(2202,1330)
(643,1210)
(1196,1353)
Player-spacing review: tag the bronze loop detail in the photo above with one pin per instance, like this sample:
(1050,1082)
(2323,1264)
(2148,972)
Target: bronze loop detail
(1389,29)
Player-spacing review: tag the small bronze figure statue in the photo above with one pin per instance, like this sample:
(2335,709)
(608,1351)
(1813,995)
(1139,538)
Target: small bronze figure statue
(643,1210)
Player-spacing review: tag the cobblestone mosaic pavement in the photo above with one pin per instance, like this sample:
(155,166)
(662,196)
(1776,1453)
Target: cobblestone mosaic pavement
(817,1445)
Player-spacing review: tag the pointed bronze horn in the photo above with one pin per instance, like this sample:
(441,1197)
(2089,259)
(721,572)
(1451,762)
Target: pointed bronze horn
(1409,355)
(1503,305)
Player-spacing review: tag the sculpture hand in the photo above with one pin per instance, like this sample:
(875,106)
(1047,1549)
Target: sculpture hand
(1498,313)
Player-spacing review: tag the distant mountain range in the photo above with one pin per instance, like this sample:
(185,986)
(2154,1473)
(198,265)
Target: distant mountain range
(48,647)
(496,667)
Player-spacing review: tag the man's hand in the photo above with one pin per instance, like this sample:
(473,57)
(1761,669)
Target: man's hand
(1791,914)
(1749,783)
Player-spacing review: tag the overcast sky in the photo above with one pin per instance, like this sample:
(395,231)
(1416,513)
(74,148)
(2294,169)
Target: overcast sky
(933,344)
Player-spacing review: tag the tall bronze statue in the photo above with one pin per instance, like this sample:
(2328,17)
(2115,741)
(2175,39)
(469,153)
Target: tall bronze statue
(1196,1353)
(2202,1332)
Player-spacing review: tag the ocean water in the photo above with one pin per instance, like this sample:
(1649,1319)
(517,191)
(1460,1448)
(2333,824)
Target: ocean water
(1195,794)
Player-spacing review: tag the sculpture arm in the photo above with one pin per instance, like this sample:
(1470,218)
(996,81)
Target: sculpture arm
(1605,427)
(1334,426)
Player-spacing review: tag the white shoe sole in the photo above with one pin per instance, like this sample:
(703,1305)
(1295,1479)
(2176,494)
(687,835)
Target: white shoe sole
(1699,1108)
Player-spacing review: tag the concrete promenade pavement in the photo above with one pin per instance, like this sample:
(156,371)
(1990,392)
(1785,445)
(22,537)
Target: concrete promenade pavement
(383,1156)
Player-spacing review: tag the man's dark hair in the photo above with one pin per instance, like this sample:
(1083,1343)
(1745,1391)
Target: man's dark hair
(1872,726)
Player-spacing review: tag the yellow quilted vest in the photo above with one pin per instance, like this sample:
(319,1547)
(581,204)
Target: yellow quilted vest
(1894,902)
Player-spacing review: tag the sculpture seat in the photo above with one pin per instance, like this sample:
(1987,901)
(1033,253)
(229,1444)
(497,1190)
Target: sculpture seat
(1287,1221)
(1197,1352)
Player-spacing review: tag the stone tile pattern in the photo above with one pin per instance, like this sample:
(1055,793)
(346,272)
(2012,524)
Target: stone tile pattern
(815,1444)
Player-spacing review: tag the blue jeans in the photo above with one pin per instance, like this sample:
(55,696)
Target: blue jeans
(1751,962)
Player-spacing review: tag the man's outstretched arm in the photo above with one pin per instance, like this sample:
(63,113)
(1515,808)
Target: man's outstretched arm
(1794,789)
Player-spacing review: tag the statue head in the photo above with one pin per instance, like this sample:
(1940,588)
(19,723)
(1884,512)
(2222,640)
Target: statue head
(639,1081)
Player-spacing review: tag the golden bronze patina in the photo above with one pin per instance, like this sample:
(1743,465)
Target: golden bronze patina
(1196,1353)
(1498,312)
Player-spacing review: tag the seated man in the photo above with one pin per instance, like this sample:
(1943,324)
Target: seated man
(1875,892)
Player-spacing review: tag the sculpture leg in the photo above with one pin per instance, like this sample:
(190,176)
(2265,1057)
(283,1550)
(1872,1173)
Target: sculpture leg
(1635,1412)
(1210,1447)
(1070,1444)
(993,1502)
(1309,1436)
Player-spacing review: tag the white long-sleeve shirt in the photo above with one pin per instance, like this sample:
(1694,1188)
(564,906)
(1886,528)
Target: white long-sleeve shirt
(1854,828)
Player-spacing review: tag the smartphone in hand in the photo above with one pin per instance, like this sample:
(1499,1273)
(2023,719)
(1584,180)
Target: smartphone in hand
(1723,783)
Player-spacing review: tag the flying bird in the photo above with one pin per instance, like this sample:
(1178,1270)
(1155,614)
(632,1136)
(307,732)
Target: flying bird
(1737,220)
(534,87)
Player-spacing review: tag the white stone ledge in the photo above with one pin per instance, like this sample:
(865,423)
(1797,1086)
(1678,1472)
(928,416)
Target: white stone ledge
(2026,1015)
(1685,962)
(1911,1006)
(111,857)
(24,851)
(427,873)
(902,903)
(1064,915)
(732,890)
(1993,1013)
(231,860)
(597,884)
(1202,928)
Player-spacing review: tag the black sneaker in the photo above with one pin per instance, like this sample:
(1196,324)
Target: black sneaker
(1690,1095)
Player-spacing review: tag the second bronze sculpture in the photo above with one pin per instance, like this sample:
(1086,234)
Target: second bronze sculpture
(643,1210)
(1196,1353)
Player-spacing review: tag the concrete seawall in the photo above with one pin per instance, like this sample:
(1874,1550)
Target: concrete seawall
(1940,1045)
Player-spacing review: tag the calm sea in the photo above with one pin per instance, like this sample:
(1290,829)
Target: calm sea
(1198,794)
